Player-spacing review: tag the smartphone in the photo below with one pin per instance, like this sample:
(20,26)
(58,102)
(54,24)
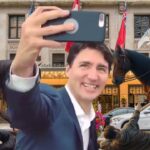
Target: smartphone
(89,27)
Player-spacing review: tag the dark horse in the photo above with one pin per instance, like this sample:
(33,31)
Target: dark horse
(126,60)
(4,69)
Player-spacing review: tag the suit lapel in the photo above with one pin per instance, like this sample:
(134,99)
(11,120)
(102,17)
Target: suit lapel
(93,137)
(71,111)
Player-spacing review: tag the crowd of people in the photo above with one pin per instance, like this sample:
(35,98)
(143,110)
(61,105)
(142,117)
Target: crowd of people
(56,119)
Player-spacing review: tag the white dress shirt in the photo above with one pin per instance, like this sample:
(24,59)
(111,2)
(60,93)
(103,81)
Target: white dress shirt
(83,118)
(26,84)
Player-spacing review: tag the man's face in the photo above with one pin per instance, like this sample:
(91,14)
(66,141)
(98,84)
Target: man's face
(87,75)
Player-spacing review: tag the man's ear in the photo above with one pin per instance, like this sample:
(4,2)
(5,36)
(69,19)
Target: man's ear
(67,70)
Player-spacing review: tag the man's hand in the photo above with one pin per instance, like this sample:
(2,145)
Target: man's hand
(32,41)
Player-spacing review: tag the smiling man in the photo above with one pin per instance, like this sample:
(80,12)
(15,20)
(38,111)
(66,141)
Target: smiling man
(51,119)
(88,70)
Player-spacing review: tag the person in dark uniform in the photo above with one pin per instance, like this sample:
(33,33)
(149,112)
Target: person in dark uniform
(130,137)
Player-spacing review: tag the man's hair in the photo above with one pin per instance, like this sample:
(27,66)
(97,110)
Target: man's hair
(110,132)
(112,135)
(78,47)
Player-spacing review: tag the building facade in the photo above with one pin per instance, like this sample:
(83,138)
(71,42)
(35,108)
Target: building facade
(53,61)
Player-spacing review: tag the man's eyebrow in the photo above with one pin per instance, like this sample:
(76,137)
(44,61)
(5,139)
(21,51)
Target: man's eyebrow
(102,65)
(99,65)
(84,62)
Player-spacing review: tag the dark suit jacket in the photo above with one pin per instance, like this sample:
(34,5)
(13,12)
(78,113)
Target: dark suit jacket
(47,120)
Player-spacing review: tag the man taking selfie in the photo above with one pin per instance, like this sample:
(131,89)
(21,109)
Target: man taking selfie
(51,119)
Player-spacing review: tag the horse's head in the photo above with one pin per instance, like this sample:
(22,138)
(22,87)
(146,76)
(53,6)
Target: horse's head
(121,66)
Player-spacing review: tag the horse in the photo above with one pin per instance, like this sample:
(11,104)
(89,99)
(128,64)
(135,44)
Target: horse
(4,69)
(130,60)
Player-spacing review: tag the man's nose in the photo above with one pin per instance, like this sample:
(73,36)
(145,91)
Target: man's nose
(93,74)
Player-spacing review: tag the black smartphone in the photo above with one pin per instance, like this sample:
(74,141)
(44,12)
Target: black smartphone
(89,27)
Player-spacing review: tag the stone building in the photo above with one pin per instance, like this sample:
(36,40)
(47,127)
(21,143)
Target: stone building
(53,61)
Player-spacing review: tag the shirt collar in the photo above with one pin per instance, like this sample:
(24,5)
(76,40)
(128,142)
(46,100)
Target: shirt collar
(78,109)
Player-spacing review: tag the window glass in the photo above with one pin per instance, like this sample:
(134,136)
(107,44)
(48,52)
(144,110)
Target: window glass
(13,32)
(116,112)
(130,110)
(141,24)
(38,58)
(20,20)
(12,56)
(58,60)
(15,22)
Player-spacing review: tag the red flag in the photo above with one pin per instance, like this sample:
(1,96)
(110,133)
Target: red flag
(75,7)
(122,33)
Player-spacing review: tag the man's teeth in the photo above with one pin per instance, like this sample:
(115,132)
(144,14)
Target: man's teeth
(90,85)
